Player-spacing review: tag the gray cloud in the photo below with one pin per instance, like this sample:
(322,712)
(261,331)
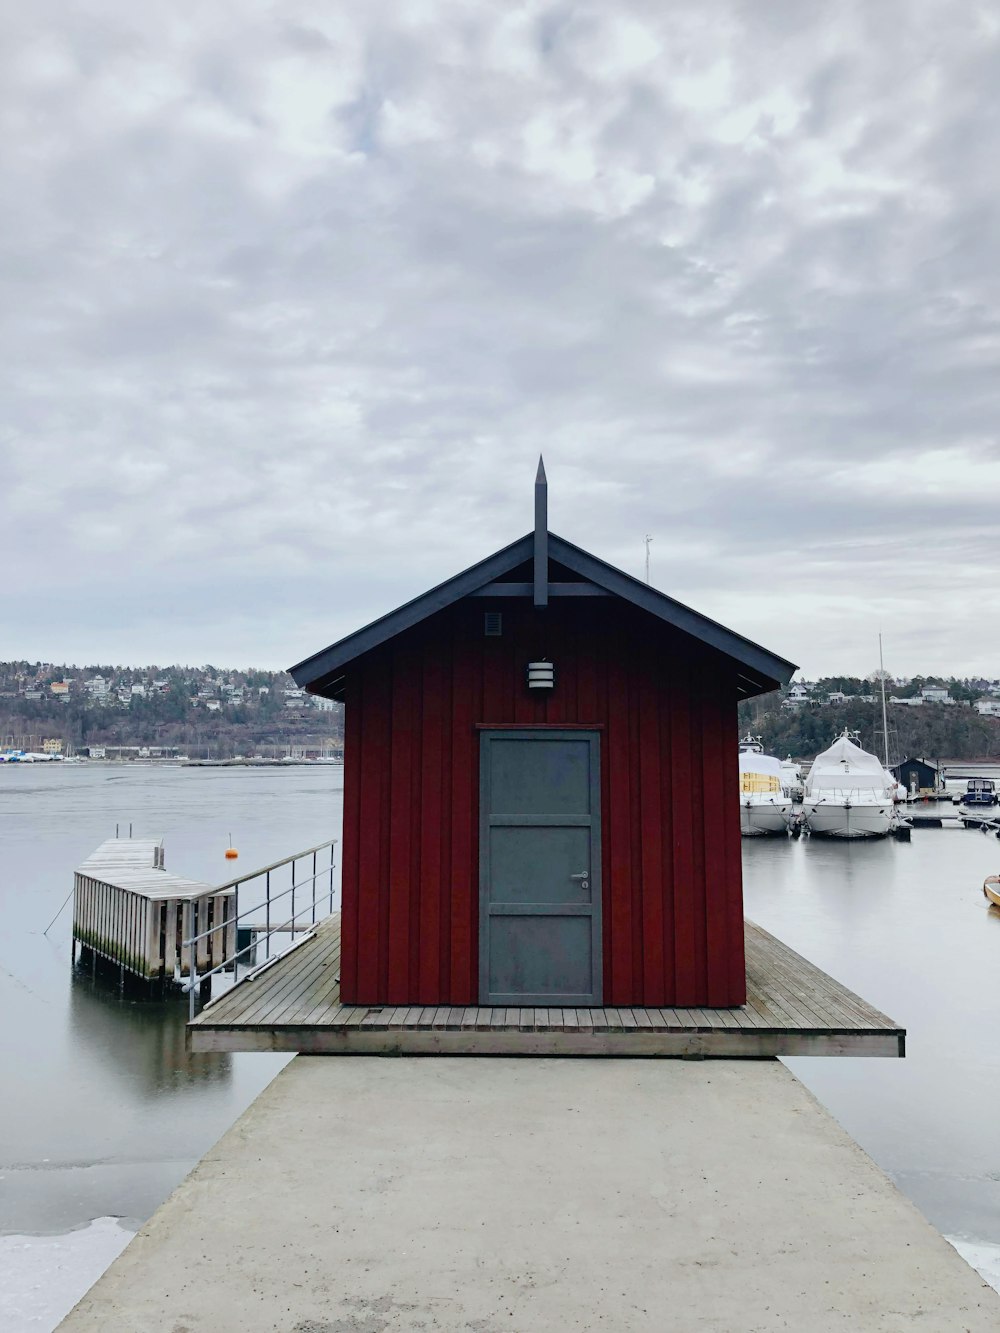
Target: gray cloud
(294,296)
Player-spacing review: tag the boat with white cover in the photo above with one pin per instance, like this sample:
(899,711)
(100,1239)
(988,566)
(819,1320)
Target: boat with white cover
(848,793)
(764,805)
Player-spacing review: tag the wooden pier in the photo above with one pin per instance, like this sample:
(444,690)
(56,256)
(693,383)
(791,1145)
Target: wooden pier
(953,821)
(793,1008)
(131,915)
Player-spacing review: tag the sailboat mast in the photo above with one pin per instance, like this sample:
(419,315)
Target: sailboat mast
(885,721)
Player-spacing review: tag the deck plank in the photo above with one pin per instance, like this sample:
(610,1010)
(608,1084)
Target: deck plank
(252,989)
(322,987)
(307,979)
(325,1002)
(265,989)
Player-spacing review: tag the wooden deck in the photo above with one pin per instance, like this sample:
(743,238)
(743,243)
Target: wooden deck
(793,1008)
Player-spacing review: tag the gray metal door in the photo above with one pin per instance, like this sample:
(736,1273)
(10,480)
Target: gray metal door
(540,868)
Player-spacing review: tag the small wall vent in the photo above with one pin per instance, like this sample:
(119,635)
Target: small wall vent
(493,624)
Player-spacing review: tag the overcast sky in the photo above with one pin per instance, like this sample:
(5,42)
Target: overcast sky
(293,296)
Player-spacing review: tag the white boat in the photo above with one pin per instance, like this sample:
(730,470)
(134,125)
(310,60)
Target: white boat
(765,807)
(848,793)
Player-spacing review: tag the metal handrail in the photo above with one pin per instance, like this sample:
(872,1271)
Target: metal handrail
(230,960)
(212,930)
(275,865)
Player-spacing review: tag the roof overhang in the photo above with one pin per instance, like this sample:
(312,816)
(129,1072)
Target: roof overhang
(757,670)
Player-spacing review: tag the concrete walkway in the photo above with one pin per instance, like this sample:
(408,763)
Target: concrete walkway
(362,1194)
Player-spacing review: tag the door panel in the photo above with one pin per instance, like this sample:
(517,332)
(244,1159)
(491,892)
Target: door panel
(540,867)
(534,864)
(539,777)
(530,955)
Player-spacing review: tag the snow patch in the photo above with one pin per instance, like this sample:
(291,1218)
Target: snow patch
(982,1255)
(43,1277)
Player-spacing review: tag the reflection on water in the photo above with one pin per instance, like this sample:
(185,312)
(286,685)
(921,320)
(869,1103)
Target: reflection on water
(139,1041)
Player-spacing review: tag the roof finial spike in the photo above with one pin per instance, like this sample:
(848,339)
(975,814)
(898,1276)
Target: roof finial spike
(541,545)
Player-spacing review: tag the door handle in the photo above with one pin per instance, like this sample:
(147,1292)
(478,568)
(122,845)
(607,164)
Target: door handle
(584,874)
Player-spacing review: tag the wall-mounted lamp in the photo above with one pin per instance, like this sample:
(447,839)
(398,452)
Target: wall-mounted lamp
(541,675)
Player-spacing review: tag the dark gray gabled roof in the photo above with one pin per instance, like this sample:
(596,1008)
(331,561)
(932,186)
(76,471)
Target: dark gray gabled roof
(323,673)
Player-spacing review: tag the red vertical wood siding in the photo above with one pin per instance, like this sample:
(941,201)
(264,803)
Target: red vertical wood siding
(666,708)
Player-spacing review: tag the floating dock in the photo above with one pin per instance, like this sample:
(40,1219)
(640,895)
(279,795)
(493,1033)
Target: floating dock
(954,821)
(131,916)
(793,1008)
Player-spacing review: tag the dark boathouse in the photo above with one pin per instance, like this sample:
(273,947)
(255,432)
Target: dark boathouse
(541,797)
(917,775)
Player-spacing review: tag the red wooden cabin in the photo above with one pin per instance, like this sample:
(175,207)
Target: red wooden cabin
(564,834)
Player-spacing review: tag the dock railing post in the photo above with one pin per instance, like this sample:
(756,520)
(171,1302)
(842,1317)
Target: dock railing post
(332,845)
(267,916)
(314,890)
(293,899)
(191,929)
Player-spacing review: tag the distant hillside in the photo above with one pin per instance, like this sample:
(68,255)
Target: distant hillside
(222,712)
(195,710)
(935,730)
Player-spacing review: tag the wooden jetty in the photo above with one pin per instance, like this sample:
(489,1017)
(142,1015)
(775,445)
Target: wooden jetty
(953,821)
(129,913)
(792,1008)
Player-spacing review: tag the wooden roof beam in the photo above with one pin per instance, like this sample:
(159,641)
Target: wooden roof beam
(500,588)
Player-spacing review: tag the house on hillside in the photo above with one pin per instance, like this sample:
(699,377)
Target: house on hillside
(797,697)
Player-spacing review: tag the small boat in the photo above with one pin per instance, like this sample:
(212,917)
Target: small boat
(979,792)
(991,889)
(848,793)
(765,807)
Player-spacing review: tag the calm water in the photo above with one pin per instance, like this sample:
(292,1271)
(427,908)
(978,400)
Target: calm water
(103,1111)
(905,925)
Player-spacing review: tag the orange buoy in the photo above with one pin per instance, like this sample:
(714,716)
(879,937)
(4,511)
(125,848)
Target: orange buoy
(231,853)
